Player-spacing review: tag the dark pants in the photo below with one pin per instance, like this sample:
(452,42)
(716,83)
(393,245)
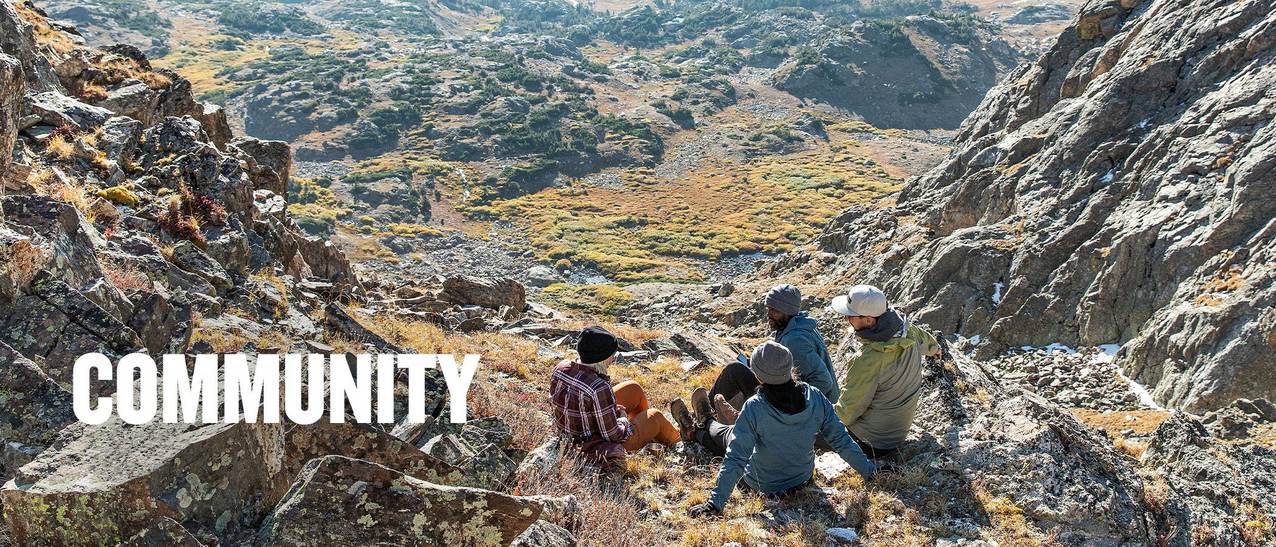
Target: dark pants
(872,453)
(735,383)
(713,437)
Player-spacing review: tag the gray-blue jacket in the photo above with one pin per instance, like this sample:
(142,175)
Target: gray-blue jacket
(810,357)
(774,451)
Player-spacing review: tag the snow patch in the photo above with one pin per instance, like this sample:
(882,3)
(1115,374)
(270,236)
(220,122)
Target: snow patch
(1107,355)
(976,339)
(1109,177)
(996,292)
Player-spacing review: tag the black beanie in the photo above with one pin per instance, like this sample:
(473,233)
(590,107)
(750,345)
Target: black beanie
(595,345)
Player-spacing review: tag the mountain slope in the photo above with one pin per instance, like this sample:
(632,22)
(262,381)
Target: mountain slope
(1116,189)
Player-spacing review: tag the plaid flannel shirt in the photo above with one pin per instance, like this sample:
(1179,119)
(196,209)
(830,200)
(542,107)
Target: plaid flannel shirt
(584,404)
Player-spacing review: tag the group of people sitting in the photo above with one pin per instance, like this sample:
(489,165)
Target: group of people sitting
(766,414)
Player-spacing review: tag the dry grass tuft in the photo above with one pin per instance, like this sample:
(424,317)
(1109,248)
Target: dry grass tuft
(22,260)
(125,276)
(608,514)
(59,148)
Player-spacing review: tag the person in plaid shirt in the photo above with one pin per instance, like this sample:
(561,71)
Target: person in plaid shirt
(606,422)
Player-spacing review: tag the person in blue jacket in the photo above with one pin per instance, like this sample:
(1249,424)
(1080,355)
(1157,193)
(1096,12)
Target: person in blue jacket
(771,446)
(792,329)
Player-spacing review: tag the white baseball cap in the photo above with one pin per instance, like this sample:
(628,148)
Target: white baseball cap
(861,300)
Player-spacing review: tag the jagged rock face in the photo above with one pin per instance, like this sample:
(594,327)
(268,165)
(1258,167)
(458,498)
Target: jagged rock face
(341,501)
(1210,492)
(1117,189)
(1004,443)
(274,164)
(33,408)
(12,87)
(18,39)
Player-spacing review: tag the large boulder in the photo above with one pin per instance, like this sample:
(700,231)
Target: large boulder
(105,483)
(58,324)
(275,156)
(342,501)
(33,408)
(328,262)
(62,230)
(57,110)
(485,292)
(307,442)
(17,38)
(213,119)
(132,98)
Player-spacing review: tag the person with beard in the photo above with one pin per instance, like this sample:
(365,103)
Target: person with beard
(771,446)
(884,378)
(792,329)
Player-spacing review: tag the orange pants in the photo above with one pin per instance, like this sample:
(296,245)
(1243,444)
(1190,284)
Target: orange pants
(650,425)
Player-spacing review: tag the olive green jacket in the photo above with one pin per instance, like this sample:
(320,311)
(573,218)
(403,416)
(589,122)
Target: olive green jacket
(882,385)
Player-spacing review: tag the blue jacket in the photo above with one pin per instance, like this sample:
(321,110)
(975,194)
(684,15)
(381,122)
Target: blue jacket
(810,357)
(774,451)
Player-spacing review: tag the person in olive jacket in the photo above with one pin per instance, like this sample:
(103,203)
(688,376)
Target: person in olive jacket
(884,379)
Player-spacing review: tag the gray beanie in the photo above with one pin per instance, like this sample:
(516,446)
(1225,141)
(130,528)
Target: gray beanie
(772,363)
(786,298)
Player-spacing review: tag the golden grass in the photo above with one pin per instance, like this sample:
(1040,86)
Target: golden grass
(1009,524)
(59,148)
(45,34)
(1113,423)
(653,229)
(21,261)
(1225,281)
(596,300)
(234,340)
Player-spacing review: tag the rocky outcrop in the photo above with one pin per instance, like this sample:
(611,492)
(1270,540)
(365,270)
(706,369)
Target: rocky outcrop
(275,157)
(1110,192)
(1003,443)
(33,408)
(57,110)
(17,38)
(12,87)
(306,442)
(342,501)
(1208,492)
(106,483)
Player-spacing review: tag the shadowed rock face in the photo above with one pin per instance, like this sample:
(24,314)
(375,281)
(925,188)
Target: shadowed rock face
(340,501)
(1116,189)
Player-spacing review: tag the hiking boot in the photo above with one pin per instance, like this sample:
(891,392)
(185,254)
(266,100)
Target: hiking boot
(726,413)
(700,404)
(686,424)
